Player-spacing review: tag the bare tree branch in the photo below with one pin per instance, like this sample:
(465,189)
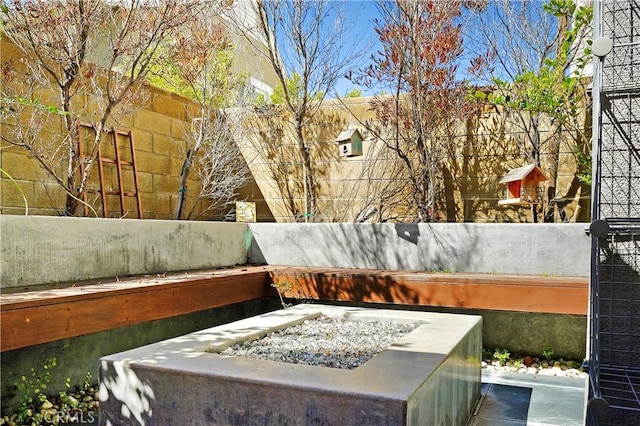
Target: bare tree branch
(305,41)
(57,38)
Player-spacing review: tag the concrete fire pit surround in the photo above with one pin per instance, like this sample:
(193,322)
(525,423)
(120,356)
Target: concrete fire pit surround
(430,376)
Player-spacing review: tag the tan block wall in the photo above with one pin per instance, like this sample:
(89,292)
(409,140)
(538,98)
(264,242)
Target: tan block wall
(471,192)
(345,185)
(158,134)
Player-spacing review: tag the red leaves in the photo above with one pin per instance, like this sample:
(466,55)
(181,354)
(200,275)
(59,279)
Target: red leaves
(422,46)
(480,62)
(421,49)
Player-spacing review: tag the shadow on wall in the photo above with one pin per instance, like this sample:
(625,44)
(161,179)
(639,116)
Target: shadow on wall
(408,246)
(479,191)
(333,287)
(133,394)
(136,389)
(277,158)
(430,247)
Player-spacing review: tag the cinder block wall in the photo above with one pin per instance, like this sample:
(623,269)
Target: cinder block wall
(483,150)
(345,185)
(158,130)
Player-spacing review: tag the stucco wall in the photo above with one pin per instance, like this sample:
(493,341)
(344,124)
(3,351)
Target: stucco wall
(553,249)
(41,249)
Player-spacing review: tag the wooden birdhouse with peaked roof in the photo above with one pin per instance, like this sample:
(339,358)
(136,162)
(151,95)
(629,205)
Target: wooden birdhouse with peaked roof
(524,186)
(350,143)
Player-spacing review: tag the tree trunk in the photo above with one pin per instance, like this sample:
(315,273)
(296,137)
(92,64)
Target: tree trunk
(71,203)
(310,209)
(553,161)
(555,131)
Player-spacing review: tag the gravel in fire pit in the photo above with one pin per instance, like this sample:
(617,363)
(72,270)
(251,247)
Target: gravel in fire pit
(325,341)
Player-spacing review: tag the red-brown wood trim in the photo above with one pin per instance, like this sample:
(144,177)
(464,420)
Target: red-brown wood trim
(30,318)
(83,290)
(35,317)
(524,293)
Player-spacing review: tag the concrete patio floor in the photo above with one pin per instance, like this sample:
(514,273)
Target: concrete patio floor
(516,399)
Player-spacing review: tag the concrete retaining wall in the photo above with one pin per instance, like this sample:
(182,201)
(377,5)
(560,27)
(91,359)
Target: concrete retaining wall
(524,333)
(41,249)
(37,250)
(553,249)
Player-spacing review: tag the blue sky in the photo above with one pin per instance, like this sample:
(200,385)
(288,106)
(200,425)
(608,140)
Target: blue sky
(360,14)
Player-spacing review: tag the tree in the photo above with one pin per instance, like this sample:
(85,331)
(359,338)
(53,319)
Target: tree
(306,46)
(199,67)
(421,48)
(536,58)
(264,130)
(383,188)
(88,60)
(221,170)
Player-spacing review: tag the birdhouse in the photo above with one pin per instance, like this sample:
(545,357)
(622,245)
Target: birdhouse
(524,186)
(350,143)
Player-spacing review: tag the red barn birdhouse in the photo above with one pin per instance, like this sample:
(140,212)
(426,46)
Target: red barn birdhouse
(524,186)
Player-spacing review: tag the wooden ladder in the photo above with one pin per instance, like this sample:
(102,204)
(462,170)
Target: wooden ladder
(119,163)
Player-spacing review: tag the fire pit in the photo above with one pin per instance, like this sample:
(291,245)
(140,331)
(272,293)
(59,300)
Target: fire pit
(429,376)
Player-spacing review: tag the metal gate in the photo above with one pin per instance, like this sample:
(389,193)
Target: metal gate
(614,352)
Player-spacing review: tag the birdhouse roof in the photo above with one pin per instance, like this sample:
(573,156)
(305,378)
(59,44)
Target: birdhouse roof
(346,135)
(522,172)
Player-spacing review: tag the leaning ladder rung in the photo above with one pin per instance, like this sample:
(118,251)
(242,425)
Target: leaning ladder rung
(124,194)
(122,162)
(118,162)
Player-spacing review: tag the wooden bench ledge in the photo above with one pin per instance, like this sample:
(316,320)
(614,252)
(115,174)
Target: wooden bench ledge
(40,316)
(34,317)
(525,293)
